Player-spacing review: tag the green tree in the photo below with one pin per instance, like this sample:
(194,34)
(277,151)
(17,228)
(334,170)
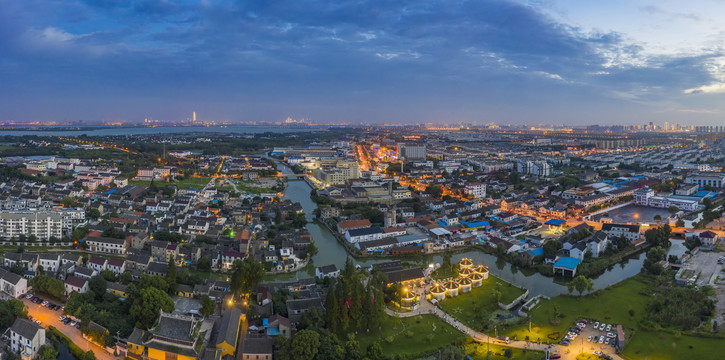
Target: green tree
(375,351)
(352,350)
(11,309)
(434,190)
(570,286)
(305,345)
(146,307)
(97,285)
(508,353)
(153,281)
(673,209)
(126,278)
(204,264)
(68,202)
(171,275)
(582,284)
(246,275)
(332,311)
(496,296)
(452,353)
(207,306)
(94,214)
(312,249)
(47,352)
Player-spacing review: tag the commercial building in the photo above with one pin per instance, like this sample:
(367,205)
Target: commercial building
(411,151)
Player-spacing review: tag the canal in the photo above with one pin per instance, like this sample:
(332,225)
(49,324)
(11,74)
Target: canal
(332,252)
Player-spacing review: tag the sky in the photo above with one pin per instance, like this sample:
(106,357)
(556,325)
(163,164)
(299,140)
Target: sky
(559,62)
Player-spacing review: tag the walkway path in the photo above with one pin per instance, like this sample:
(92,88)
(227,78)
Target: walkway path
(427,308)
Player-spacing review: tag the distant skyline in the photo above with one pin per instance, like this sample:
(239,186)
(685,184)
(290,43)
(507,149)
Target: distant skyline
(507,62)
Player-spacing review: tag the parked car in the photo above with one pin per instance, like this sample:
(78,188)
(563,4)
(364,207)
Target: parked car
(555,356)
(21,297)
(78,325)
(606,341)
(73,323)
(589,338)
(609,327)
(596,324)
(601,340)
(45,303)
(601,328)
(596,339)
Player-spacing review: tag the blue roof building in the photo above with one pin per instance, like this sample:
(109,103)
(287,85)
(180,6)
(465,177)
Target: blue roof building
(566,265)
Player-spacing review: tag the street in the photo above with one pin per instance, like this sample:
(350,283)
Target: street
(49,317)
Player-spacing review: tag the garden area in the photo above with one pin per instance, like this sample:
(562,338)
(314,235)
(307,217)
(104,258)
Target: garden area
(623,303)
(476,308)
(412,337)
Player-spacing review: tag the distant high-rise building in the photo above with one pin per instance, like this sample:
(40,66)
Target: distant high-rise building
(411,151)
(193,116)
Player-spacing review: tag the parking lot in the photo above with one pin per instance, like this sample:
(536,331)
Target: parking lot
(48,317)
(583,342)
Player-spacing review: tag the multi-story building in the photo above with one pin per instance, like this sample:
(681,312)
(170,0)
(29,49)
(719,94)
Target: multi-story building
(629,232)
(43,224)
(478,190)
(336,176)
(702,179)
(12,285)
(26,338)
(411,151)
(106,245)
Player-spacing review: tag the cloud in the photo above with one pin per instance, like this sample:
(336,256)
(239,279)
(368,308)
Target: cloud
(434,57)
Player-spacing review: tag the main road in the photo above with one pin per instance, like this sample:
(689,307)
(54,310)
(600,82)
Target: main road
(49,317)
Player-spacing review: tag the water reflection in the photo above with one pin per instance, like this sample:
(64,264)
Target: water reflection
(332,252)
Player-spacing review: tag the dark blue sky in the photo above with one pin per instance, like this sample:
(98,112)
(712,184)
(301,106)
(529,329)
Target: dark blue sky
(520,62)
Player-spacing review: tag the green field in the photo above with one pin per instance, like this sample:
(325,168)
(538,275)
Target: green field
(479,351)
(661,346)
(412,337)
(193,182)
(611,306)
(476,307)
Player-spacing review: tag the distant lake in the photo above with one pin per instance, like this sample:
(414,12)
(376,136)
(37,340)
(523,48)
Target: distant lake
(233,129)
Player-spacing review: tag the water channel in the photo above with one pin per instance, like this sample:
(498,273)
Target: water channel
(332,252)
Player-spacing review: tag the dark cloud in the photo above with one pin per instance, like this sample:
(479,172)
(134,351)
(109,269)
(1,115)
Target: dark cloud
(373,61)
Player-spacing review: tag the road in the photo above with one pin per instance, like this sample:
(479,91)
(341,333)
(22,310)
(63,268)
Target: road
(49,317)
(567,352)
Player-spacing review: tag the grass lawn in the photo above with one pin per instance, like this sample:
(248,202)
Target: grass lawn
(610,305)
(661,346)
(478,352)
(191,182)
(475,308)
(411,337)
(308,270)
(444,272)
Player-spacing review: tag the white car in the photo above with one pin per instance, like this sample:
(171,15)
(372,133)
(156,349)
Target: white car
(596,324)
(589,338)
(610,334)
(601,328)
(609,327)
(606,341)
(601,340)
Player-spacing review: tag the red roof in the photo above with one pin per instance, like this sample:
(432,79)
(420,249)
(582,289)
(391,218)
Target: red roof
(75,281)
(97,260)
(115,262)
(353,224)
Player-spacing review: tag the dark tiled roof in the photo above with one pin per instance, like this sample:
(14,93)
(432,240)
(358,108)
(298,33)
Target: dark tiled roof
(25,328)
(173,327)
(230,326)
(75,281)
(257,346)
